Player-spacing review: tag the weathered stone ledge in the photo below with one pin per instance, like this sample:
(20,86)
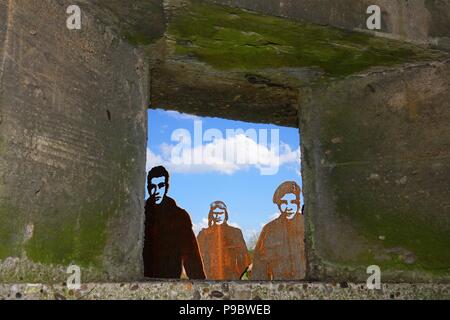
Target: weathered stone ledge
(248,290)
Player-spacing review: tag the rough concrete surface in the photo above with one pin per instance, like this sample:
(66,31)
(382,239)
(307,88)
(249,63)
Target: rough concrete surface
(376,174)
(235,64)
(72,145)
(187,290)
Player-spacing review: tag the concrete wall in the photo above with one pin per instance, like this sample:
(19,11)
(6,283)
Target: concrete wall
(376,173)
(72,146)
(72,155)
(415,20)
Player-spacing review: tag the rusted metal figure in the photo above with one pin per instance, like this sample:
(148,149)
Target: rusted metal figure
(280,250)
(223,248)
(170,242)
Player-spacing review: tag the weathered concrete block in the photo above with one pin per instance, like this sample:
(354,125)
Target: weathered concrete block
(231,63)
(377,174)
(72,146)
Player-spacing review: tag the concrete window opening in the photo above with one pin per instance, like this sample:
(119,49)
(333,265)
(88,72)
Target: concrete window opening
(238,184)
(373,109)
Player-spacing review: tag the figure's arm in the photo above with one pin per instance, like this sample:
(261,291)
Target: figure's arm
(192,260)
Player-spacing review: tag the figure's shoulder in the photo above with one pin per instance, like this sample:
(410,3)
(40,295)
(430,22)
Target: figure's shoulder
(204,232)
(272,223)
(272,226)
(184,217)
(234,230)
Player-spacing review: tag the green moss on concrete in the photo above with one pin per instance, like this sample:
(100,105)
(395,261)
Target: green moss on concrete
(410,240)
(138,38)
(70,237)
(404,228)
(80,234)
(11,233)
(228,38)
(23,270)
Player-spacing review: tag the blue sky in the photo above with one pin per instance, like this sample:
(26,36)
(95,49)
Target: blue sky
(246,185)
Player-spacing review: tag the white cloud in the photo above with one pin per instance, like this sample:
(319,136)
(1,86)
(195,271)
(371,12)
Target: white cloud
(181,116)
(197,227)
(223,155)
(153,160)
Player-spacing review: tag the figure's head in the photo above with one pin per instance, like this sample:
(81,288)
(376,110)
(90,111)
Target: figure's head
(158,184)
(218,213)
(287,197)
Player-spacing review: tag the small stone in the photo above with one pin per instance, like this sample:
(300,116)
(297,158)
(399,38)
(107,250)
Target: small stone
(410,258)
(134,287)
(374,177)
(197,295)
(217,294)
(343,284)
(337,140)
(382,237)
(225,287)
(402,180)
(59,296)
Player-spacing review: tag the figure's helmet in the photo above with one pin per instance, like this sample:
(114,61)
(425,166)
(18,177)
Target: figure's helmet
(216,209)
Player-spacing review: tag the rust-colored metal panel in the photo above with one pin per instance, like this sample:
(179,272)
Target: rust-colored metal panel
(280,250)
(223,248)
(170,245)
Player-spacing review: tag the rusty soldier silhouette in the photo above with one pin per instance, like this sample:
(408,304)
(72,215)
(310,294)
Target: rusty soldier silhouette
(280,250)
(169,242)
(222,246)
